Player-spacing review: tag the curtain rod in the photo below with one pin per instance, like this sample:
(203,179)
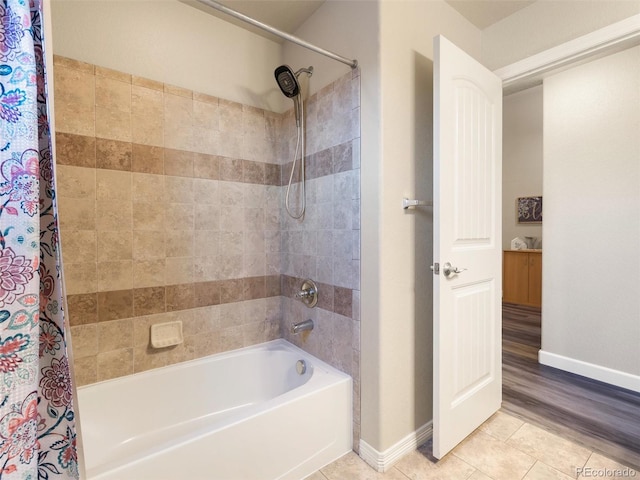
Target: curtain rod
(279,33)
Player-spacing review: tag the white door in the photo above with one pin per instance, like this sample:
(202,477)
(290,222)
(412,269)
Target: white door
(467,230)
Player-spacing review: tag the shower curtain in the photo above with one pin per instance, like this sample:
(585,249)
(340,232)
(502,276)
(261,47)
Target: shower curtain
(37,417)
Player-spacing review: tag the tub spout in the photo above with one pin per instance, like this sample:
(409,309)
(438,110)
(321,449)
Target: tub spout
(298,327)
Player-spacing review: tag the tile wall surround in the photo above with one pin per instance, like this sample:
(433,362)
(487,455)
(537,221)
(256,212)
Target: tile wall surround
(325,246)
(172,207)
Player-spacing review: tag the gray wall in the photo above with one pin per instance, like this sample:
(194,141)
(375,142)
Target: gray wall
(592,213)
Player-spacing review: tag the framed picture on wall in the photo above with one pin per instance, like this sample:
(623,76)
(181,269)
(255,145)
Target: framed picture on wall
(529,209)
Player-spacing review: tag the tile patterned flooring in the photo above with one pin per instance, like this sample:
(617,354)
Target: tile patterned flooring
(503,448)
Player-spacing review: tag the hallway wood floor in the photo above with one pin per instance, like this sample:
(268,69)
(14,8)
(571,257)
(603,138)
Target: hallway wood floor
(602,417)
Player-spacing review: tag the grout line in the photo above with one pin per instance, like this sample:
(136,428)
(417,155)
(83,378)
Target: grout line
(531,467)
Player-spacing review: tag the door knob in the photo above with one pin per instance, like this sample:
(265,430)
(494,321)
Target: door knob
(449,270)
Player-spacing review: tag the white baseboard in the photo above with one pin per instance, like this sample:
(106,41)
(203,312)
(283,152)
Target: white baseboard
(383,461)
(590,370)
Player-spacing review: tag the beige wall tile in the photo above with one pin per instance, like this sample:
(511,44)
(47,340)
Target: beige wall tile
(205,140)
(80,278)
(179,243)
(113,154)
(208,217)
(179,91)
(148,187)
(146,102)
(148,245)
(113,74)
(206,191)
(179,190)
(147,83)
(60,61)
(178,137)
(253,122)
(76,182)
(228,145)
(82,309)
(115,275)
(203,345)
(147,159)
(230,266)
(149,301)
(116,363)
(113,94)
(205,268)
(149,273)
(203,97)
(231,242)
(148,216)
(178,163)
(115,305)
(85,340)
(113,185)
(79,246)
(179,216)
(207,242)
(230,114)
(178,111)
(179,270)
(85,370)
(147,130)
(114,215)
(231,338)
(114,246)
(76,150)
(141,328)
(206,166)
(205,115)
(203,320)
(113,124)
(147,358)
(76,215)
(115,334)
(75,119)
(74,87)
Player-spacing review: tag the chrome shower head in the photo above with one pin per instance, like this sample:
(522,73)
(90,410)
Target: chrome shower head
(287,81)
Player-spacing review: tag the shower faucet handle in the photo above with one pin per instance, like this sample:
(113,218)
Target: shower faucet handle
(308,293)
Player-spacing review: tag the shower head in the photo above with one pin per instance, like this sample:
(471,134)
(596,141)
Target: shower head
(287,81)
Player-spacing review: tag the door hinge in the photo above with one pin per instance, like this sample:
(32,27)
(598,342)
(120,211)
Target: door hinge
(435,268)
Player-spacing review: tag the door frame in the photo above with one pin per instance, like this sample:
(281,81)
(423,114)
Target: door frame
(530,71)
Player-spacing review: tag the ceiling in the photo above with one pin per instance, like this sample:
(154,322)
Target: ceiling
(289,15)
(483,13)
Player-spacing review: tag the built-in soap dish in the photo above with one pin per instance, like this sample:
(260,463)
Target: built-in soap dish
(166,334)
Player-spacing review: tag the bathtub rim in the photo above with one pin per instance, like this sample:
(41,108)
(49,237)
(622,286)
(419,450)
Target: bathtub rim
(277,344)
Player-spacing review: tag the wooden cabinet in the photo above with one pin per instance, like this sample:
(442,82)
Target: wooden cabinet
(522,277)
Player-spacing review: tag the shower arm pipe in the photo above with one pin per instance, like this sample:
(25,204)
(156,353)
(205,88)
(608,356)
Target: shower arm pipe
(278,33)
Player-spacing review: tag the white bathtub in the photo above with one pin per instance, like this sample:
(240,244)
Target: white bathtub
(239,415)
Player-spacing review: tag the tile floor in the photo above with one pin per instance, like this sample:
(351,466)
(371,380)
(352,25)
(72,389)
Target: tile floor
(503,448)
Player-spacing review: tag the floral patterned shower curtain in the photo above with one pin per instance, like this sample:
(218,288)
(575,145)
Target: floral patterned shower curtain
(37,418)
